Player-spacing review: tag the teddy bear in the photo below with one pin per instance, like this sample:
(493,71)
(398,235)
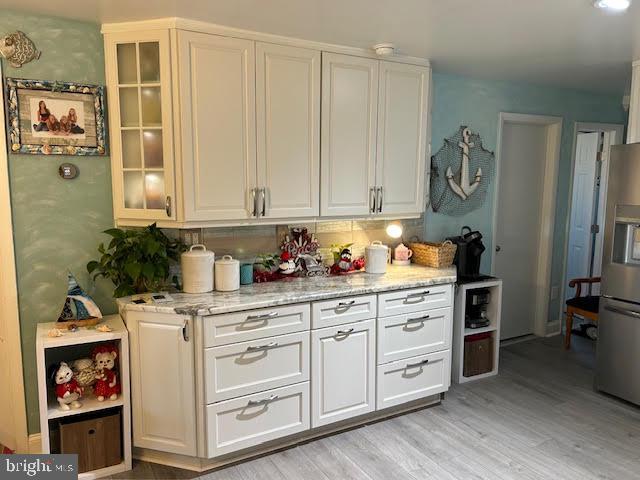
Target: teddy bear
(107,385)
(67,389)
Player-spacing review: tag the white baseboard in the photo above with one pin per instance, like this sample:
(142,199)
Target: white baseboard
(35,443)
(553,328)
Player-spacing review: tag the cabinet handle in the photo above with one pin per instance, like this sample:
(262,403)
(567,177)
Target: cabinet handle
(262,347)
(418,364)
(379,199)
(254,199)
(185,330)
(419,319)
(263,316)
(372,200)
(623,311)
(167,205)
(263,192)
(253,403)
(418,294)
(344,332)
(346,304)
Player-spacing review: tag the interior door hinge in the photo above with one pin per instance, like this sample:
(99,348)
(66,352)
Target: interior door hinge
(595,228)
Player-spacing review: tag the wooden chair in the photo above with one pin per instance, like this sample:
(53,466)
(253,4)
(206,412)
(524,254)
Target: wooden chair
(586,307)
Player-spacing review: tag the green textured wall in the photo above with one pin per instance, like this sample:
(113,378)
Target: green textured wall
(57,223)
(477,103)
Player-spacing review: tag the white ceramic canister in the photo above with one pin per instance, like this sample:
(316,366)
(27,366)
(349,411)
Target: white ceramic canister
(197,269)
(376,256)
(227,274)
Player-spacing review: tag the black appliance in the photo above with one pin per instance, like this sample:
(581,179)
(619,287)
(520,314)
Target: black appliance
(477,302)
(468,255)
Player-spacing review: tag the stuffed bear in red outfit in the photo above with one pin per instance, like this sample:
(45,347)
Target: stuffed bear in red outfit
(106,385)
(67,389)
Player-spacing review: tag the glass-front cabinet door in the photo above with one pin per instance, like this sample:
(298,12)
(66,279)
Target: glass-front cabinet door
(139,88)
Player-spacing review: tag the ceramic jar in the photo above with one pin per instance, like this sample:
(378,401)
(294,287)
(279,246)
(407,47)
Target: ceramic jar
(197,269)
(376,257)
(227,274)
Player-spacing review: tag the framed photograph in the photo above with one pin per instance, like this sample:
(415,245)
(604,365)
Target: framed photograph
(55,118)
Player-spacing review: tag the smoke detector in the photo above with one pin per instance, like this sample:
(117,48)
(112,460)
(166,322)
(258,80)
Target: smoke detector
(384,49)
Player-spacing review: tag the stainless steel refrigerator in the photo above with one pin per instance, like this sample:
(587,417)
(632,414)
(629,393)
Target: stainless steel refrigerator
(618,350)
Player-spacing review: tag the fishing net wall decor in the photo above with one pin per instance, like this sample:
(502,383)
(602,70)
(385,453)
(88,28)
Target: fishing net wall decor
(461,172)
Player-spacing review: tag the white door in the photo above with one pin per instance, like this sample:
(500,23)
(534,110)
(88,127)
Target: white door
(288,130)
(162,382)
(217,118)
(520,193)
(403,106)
(349,119)
(343,367)
(582,206)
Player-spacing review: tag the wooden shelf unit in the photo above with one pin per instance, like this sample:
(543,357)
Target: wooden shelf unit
(49,410)
(494,285)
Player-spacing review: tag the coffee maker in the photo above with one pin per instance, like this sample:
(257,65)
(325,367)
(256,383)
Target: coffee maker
(468,255)
(477,303)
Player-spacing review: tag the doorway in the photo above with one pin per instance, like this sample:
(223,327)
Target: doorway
(588,192)
(13,418)
(527,161)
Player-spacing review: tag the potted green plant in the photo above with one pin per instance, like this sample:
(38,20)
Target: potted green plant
(136,261)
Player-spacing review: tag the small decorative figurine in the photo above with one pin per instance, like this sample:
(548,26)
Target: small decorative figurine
(54,332)
(84,371)
(79,308)
(18,49)
(312,266)
(68,392)
(287,264)
(107,385)
(104,329)
(345,260)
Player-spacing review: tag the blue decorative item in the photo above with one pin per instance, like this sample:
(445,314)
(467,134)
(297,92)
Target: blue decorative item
(78,305)
(246,274)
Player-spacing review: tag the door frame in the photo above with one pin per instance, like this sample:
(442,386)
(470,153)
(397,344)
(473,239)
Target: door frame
(618,130)
(547,204)
(9,313)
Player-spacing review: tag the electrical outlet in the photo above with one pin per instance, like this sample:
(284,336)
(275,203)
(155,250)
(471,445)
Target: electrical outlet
(191,236)
(555,292)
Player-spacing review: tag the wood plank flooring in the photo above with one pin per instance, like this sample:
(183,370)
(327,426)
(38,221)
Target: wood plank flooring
(539,419)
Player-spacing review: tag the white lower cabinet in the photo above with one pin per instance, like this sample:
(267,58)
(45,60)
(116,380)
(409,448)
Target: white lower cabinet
(247,421)
(248,367)
(342,372)
(413,378)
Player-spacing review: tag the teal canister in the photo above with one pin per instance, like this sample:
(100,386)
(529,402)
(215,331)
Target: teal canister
(246,274)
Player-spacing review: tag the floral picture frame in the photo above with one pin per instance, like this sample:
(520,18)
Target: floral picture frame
(55,118)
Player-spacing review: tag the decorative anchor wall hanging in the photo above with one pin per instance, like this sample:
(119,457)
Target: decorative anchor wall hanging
(455,190)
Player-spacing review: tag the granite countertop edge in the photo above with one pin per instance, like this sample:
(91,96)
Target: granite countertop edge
(300,291)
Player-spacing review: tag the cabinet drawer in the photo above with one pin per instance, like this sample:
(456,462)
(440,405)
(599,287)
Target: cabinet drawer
(414,378)
(253,324)
(343,310)
(408,335)
(250,367)
(414,300)
(255,419)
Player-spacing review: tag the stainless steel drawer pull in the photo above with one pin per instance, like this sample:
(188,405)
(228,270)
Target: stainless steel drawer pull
(264,316)
(623,311)
(419,319)
(346,304)
(418,364)
(253,403)
(262,347)
(419,294)
(344,332)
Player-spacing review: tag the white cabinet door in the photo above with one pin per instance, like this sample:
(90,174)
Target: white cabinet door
(402,137)
(343,366)
(288,130)
(162,382)
(217,126)
(349,116)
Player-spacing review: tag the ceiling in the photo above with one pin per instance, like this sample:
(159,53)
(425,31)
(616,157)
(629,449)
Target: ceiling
(565,43)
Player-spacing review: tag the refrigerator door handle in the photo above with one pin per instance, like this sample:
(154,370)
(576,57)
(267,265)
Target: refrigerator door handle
(623,311)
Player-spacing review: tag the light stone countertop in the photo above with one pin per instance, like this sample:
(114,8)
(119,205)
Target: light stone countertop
(296,290)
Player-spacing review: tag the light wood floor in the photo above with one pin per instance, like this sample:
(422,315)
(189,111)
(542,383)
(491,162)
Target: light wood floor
(539,419)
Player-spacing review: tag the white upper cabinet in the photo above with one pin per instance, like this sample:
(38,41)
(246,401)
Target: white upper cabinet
(213,126)
(288,130)
(140,116)
(217,126)
(349,112)
(402,137)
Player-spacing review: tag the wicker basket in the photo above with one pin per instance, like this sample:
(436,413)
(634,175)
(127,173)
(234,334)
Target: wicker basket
(437,255)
